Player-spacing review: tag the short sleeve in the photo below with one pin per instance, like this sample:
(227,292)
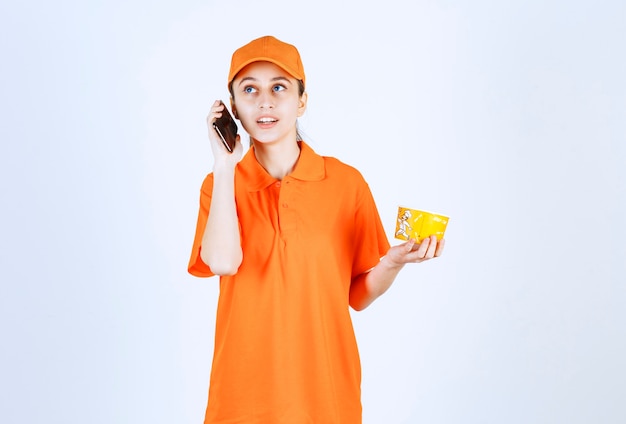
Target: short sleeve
(196,266)
(371,242)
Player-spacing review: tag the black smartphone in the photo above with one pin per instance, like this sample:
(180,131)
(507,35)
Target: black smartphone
(226,128)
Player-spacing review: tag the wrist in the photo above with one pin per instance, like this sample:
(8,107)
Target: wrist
(390,264)
(224,168)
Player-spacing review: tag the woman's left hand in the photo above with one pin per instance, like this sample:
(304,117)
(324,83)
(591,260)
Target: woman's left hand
(366,287)
(412,252)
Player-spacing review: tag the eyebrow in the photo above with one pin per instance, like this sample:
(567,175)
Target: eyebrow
(255,79)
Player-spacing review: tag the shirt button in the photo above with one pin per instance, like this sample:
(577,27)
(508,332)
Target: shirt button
(278,184)
(285,205)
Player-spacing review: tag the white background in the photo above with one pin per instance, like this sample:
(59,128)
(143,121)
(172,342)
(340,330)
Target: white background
(510,117)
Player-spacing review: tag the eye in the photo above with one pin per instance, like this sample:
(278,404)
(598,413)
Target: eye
(278,87)
(249,89)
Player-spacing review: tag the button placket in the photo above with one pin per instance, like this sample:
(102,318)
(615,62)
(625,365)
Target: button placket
(287,217)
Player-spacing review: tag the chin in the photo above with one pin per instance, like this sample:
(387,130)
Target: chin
(265,139)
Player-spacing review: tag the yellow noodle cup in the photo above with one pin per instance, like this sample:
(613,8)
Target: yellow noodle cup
(418,225)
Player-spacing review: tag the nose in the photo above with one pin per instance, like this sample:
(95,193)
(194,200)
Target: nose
(265,101)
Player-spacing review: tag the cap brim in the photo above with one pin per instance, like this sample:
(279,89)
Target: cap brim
(281,65)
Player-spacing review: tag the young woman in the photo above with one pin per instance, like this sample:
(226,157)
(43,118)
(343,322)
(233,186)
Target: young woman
(296,239)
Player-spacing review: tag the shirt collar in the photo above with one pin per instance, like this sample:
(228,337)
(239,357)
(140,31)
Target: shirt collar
(310,167)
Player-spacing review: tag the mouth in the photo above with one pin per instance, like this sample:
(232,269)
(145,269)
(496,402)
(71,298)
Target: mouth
(266,121)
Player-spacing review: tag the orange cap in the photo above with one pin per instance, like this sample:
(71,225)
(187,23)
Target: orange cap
(267,49)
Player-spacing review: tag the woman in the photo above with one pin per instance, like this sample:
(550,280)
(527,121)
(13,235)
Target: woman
(296,239)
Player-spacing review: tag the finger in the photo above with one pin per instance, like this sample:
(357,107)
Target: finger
(215,112)
(212,117)
(432,246)
(440,246)
(238,145)
(423,248)
(409,244)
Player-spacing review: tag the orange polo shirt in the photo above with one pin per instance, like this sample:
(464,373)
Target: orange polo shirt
(285,350)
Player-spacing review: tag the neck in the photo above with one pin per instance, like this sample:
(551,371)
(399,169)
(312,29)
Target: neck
(278,160)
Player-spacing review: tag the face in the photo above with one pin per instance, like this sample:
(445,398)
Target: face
(267,102)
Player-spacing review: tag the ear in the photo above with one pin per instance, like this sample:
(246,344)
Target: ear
(233,108)
(302,104)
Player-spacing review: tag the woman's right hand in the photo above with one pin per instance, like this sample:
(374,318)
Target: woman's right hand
(220,154)
(221,241)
